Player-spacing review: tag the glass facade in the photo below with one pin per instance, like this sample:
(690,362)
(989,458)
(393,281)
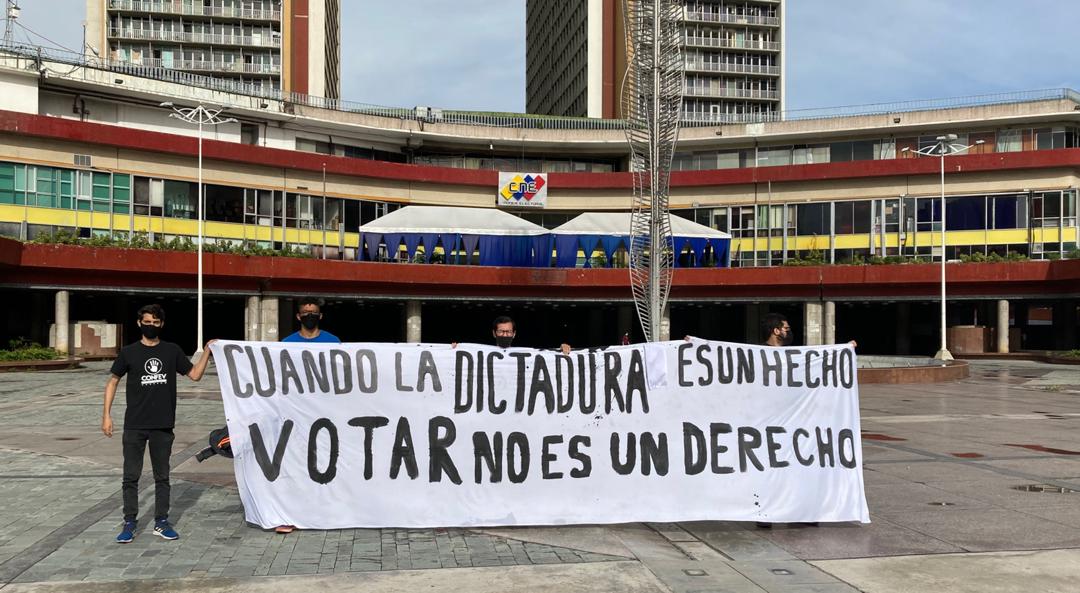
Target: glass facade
(907,227)
(836,231)
(167,199)
(1004,140)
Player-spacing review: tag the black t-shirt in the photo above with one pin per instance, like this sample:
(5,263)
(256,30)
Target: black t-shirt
(151,383)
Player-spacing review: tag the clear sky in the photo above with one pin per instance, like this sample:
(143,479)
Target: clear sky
(470,54)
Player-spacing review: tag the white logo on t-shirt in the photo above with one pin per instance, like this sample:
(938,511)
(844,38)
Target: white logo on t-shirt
(153,375)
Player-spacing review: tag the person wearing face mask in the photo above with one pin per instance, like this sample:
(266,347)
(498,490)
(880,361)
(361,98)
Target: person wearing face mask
(776,331)
(151,366)
(309,314)
(503,329)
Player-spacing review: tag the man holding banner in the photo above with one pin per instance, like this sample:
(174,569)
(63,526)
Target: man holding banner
(151,366)
(309,314)
(483,436)
(504,330)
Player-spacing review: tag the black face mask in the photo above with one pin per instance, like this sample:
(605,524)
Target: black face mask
(310,321)
(150,332)
(504,341)
(787,339)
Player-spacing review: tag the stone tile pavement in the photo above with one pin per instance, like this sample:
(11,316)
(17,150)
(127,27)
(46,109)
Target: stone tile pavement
(942,467)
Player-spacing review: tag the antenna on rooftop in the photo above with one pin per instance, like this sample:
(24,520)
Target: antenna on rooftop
(11,15)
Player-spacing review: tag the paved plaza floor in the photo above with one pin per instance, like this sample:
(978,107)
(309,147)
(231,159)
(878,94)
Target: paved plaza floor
(945,469)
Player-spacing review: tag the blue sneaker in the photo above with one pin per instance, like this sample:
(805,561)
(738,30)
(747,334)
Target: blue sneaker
(127,534)
(163,529)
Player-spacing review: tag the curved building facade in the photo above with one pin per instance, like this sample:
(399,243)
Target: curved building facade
(91,153)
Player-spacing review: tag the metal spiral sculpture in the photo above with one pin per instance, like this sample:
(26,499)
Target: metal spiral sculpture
(652,103)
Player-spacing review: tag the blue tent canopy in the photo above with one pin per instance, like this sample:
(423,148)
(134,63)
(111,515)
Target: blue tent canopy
(502,238)
(694,244)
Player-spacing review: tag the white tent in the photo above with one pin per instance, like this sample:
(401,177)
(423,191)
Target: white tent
(452,219)
(618,224)
(610,231)
(502,238)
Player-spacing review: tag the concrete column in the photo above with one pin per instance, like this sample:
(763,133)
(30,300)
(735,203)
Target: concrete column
(253,319)
(903,328)
(412,322)
(665,324)
(268,320)
(813,313)
(828,329)
(63,324)
(1002,329)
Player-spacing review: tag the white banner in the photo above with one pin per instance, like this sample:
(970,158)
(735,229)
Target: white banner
(330,436)
(522,190)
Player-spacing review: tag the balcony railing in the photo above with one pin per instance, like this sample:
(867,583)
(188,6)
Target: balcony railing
(202,38)
(196,9)
(66,65)
(726,93)
(210,66)
(726,68)
(731,19)
(701,41)
(714,119)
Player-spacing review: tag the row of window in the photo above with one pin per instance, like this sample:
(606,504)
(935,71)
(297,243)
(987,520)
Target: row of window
(127,26)
(99,191)
(457,161)
(1046,209)
(1010,140)
(188,5)
(764,258)
(193,58)
(731,9)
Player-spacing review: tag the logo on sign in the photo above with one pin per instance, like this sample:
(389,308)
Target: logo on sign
(523,189)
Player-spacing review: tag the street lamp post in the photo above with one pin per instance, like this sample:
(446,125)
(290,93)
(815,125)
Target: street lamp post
(203,116)
(944,146)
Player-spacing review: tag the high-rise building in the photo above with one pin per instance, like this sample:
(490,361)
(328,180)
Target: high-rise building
(570,52)
(287,45)
(733,52)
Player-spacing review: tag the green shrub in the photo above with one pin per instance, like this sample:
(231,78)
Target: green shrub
(22,349)
(140,240)
(813,257)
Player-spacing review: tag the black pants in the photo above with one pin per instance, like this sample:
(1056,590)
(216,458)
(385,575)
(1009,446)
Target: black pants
(135,440)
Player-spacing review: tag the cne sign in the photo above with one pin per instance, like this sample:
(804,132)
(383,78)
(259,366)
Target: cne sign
(522,190)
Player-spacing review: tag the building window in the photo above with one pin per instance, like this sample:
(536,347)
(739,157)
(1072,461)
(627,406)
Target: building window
(965,214)
(812,219)
(249,134)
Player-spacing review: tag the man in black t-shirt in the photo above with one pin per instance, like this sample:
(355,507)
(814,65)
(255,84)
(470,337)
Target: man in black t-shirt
(151,366)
